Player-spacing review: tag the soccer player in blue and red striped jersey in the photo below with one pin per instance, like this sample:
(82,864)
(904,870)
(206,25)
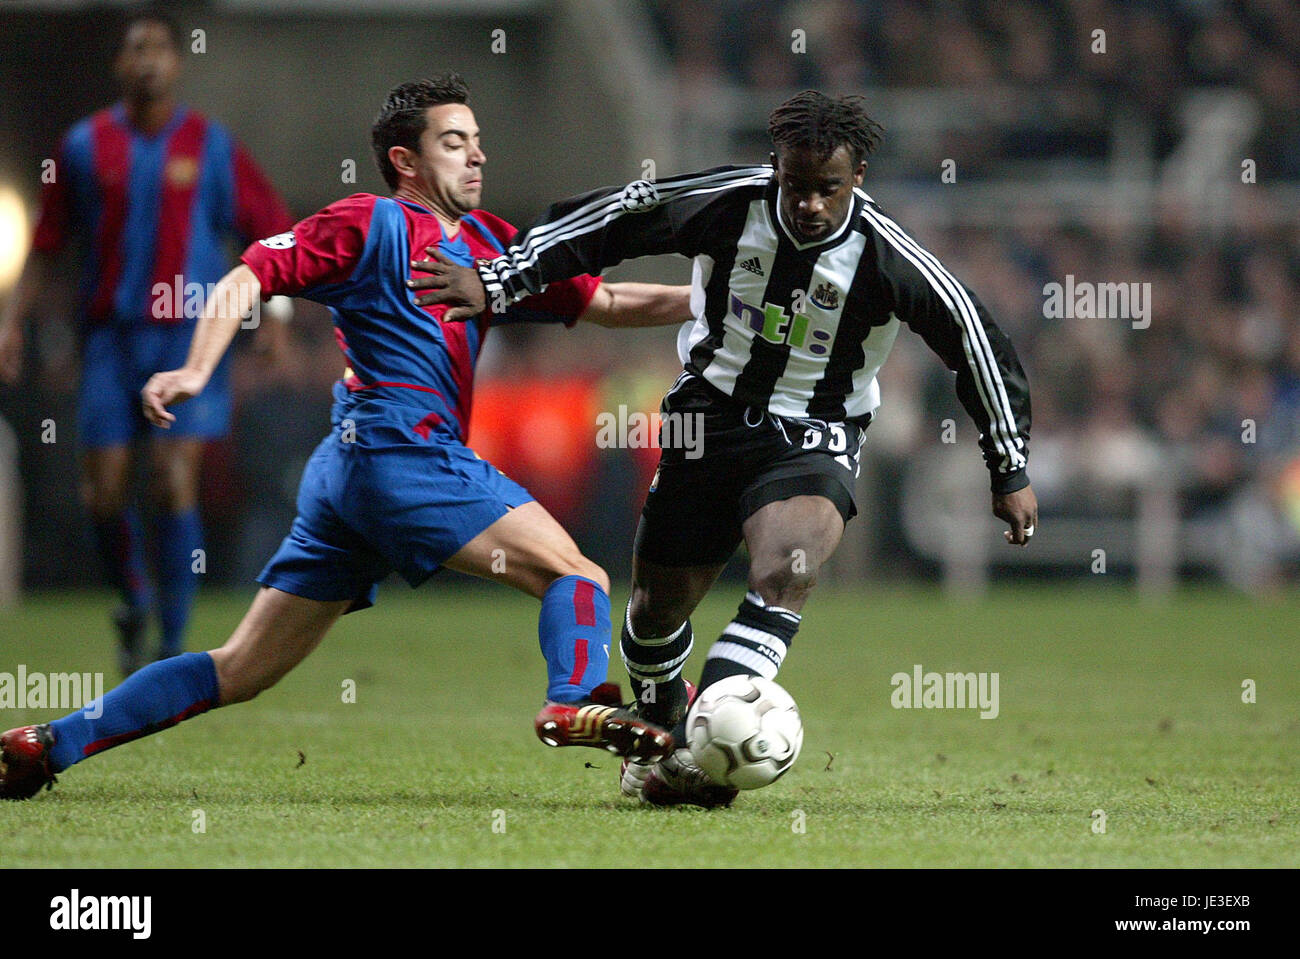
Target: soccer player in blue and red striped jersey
(393,487)
(147,190)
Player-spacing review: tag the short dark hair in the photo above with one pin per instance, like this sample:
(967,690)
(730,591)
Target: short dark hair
(403,117)
(151,16)
(813,121)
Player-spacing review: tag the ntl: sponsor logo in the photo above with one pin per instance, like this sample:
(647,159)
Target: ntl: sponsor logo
(26,690)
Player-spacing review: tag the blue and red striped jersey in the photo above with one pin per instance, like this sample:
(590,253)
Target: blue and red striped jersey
(355,257)
(145,209)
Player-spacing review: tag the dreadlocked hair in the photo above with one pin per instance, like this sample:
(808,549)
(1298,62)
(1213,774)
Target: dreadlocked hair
(813,121)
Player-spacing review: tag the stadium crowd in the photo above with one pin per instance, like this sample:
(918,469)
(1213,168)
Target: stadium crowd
(1046,52)
(1207,395)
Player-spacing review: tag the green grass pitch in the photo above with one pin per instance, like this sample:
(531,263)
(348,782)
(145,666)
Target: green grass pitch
(1106,703)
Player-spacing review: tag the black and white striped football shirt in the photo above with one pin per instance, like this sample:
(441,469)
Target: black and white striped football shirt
(797,329)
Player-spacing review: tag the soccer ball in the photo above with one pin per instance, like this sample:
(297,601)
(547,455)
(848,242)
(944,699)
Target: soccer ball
(639,196)
(744,731)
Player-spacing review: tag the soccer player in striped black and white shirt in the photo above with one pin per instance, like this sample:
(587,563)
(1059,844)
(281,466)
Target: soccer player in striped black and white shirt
(800,285)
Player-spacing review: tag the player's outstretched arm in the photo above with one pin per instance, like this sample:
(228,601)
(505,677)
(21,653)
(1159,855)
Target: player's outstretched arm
(230,302)
(588,233)
(627,305)
(1020,511)
(990,381)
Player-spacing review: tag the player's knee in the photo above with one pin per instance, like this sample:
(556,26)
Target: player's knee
(102,497)
(783,581)
(541,577)
(589,570)
(654,615)
(173,491)
(172,501)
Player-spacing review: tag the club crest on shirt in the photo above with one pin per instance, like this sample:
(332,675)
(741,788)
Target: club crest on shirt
(826,296)
(281,241)
(181,171)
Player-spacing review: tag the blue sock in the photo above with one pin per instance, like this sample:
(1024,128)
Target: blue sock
(120,543)
(157,697)
(179,535)
(575,635)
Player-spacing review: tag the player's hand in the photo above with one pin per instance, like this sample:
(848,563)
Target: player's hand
(11,354)
(460,287)
(164,389)
(1020,510)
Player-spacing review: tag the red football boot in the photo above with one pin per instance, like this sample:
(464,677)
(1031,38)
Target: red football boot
(25,762)
(614,728)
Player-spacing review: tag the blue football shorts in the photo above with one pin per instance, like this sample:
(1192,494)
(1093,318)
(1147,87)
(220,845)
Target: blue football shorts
(381,500)
(117,361)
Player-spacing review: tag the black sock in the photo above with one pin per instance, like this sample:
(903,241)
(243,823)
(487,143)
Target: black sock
(654,667)
(753,644)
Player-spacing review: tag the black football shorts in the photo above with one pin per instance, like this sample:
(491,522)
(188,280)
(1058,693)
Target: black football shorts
(722,461)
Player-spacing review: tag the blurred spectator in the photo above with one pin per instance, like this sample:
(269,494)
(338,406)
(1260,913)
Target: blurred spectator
(1075,63)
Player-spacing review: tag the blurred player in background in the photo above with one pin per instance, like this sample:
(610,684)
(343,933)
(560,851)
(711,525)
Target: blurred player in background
(147,191)
(393,487)
(800,284)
